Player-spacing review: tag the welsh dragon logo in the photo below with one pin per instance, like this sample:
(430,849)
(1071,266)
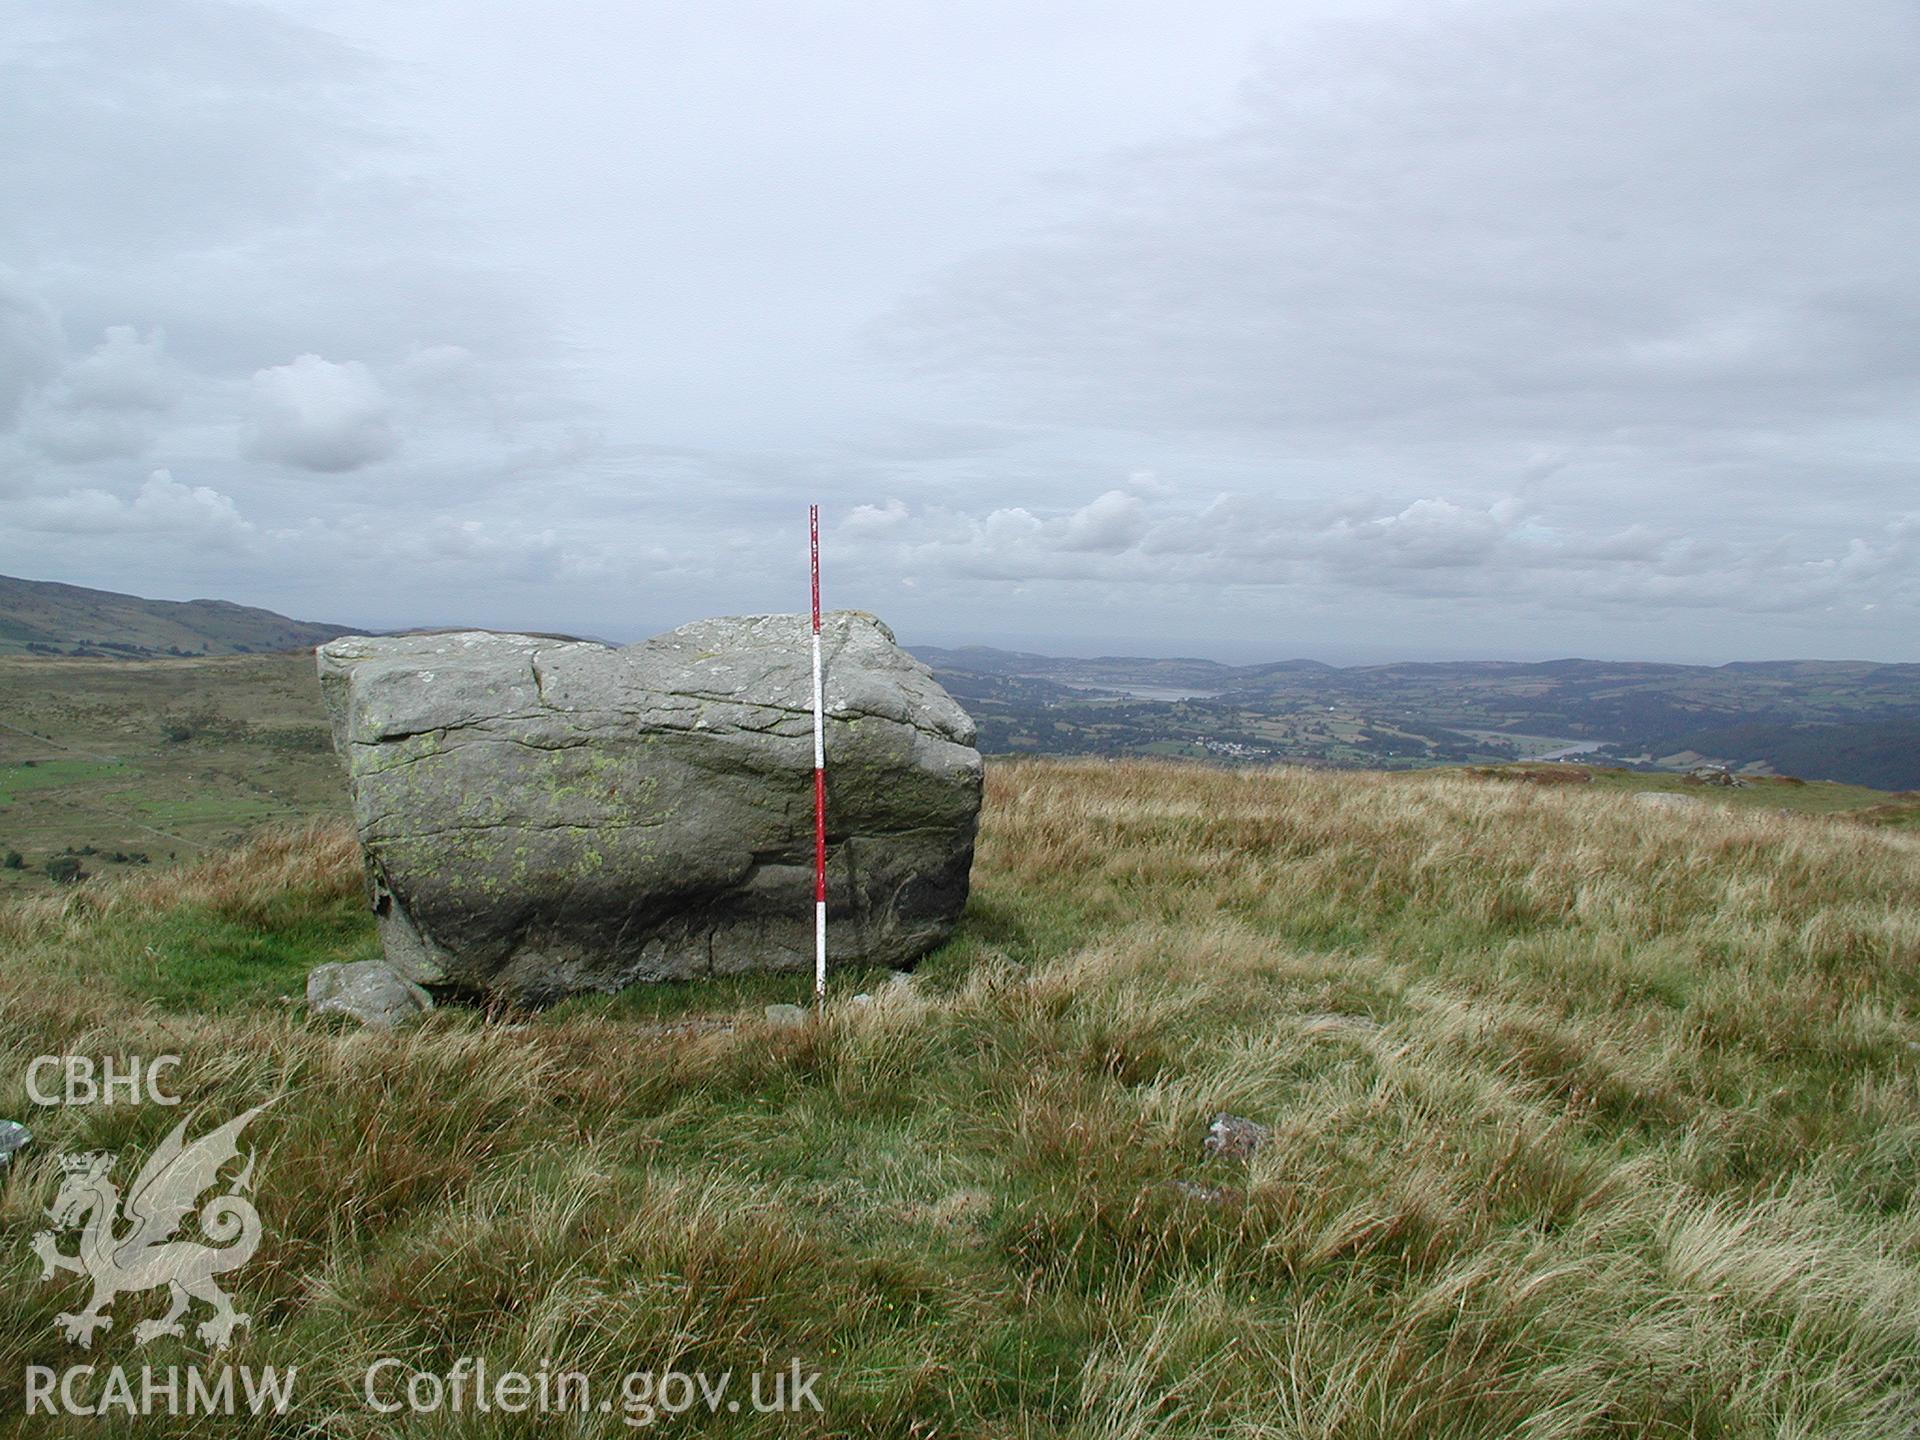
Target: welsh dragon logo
(136,1250)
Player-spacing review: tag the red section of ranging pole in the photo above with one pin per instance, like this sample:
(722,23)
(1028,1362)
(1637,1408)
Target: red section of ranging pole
(819,780)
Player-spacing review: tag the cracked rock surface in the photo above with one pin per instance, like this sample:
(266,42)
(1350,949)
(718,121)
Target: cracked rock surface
(542,816)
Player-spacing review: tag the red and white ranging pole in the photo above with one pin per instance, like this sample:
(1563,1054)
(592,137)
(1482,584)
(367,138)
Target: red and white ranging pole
(819,782)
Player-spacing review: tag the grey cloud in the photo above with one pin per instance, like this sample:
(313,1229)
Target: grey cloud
(440,549)
(30,345)
(1547,220)
(163,127)
(126,371)
(209,169)
(221,264)
(1432,548)
(1575,306)
(111,402)
(1588,323)
(78,436)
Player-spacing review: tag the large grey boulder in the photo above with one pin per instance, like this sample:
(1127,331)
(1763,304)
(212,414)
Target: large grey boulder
(544,816)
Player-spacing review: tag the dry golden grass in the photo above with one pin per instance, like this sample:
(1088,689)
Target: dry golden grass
(1588,1120)
(318,861)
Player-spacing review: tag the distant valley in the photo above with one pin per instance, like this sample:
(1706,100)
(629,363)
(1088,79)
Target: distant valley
(1851,721)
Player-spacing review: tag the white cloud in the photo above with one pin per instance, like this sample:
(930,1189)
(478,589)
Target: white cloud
(161,506)
(1109,524)
(876,519)
(1429,534)
(314,414)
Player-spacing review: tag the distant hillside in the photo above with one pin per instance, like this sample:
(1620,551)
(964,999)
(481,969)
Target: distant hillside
(1852,721)
(43,617)
(1110,671)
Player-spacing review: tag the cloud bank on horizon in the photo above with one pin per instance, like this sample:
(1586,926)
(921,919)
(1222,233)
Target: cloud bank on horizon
(1374,330)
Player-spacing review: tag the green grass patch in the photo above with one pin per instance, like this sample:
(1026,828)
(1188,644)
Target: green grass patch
(18,782)
(195,959)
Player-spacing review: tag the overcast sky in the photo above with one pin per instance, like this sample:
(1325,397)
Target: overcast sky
(1354,331)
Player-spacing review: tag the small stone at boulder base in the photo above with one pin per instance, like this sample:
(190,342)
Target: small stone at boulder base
(786,1017)
(1235,1137)
(1667,800)
(540,817)
(368,990)
(13,1136)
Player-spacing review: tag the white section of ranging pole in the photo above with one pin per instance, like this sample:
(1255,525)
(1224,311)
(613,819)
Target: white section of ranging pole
(819,780)
(820,952)
(819,822)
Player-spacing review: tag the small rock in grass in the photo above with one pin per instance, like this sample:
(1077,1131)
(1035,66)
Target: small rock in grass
(368,990)
(13,1136)
(786,1017)
(863,999)
(1235,1137)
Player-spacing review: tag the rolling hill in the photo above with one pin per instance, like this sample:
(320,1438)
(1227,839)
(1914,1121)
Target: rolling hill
(44,617)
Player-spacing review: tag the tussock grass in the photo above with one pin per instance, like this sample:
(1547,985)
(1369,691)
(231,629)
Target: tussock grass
(1588,1120)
